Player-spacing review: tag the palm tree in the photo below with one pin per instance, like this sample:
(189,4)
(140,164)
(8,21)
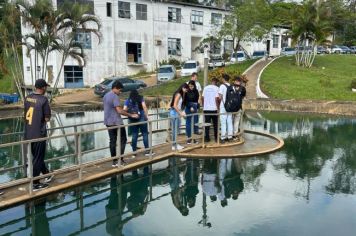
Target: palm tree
(74,18)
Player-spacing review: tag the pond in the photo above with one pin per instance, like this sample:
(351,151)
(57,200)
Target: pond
(306,188)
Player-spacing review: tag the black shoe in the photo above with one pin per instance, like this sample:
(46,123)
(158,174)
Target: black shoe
(222,141)
(39,186)
(1,193)
(147,153)
(48,179)
(189,141)
(115,163)
(207,140)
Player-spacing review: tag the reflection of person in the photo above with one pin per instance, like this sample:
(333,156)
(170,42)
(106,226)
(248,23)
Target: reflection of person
(233,184)
(177,193)
(137,201)
(112,117)
(40,225)
(191,107)
(175,112)
(37,114)
(191,182)
(114,209)
(135,104)
(209,179)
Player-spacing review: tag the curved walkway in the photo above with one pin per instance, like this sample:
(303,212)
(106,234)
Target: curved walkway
(252,75)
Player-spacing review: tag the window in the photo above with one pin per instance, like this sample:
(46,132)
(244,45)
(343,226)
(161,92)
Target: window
(124,10)
(174,15)
(73,74)
(216,19)
(134,52)
(228,46)
(108,9)
(84,38)
(174,46)
(141,12)
(215,48)
(284,42)
(275,41)
(197,17)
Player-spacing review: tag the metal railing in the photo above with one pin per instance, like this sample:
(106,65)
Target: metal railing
(78,153)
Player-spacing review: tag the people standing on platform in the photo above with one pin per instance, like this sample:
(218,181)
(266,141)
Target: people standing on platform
(240,92)
(176,111)
(112,118)
(225,118)
(191,107)
(197,84)
(37,114)
(135,104)
(210,100)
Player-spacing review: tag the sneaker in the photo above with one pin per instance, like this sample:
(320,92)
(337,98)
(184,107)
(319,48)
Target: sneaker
(179,147)
(189,141)
(39,186)
(48,179)
(133,156)
(115,163)
(207,140)
(147,153)
(195,141)
(222,141)
(236,138)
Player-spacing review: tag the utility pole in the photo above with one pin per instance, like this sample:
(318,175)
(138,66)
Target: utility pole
(206,58)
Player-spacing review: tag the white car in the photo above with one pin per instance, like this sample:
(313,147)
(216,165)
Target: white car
(216,61)
(336,49)
(238,56)
(189,67)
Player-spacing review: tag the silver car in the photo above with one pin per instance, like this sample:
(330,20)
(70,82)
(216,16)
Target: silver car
(166,73)
(287,51)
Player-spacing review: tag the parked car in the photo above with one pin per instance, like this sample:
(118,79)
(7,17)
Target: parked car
(353,49)
(238,56)
(321,50)
(129,85)
(166,73)
(288,51)
(258,54)
(189,67)
(336,49)
(345,50)
(216,61)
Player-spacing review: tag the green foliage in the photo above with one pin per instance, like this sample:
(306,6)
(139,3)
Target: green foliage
(171,61)
(353,84)
(328,79)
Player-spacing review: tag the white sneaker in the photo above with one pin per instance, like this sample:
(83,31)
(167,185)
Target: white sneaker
(48,179)
(178,147)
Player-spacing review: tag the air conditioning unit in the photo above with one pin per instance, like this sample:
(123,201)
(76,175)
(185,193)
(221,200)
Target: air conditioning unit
(158,42)
(192,26)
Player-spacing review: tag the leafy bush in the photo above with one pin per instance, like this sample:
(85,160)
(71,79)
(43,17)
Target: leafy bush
(231,71)
(171,61)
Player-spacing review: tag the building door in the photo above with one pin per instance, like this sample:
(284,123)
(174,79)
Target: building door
(268,47)
(73,77)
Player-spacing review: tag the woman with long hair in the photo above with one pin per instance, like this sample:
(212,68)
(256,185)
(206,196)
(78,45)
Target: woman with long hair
(176,111)
(135,104)
(191,107)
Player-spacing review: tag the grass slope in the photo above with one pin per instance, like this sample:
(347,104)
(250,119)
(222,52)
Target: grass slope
(329,79)
(168,88)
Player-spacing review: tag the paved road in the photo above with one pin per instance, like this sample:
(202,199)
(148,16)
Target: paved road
(252,76)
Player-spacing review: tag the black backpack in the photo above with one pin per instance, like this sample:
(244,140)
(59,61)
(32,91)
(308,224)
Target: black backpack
(233,99)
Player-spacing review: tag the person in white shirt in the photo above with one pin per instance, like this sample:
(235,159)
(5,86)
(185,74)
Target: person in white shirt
(225,119)
(210,100)
(197,84)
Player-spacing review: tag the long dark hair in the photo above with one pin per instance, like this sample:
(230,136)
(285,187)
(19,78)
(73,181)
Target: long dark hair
(136,98)
(192,95)
(180,91)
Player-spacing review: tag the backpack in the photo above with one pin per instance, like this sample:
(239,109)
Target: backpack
(233,99)
(133,108)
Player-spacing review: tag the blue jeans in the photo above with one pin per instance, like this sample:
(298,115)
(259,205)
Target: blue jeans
(190,119)
(136,129)
(175,124)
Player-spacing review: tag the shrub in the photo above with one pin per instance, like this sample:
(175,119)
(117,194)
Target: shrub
(231,71)
(171,61)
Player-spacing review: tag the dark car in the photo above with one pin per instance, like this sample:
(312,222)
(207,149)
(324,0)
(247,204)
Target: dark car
(129,85)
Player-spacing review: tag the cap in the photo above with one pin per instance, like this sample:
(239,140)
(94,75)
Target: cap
(41,83)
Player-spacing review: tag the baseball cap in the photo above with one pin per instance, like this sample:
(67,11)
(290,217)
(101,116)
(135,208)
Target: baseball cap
(41,83)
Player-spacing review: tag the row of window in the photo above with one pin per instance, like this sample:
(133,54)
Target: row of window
(174,14)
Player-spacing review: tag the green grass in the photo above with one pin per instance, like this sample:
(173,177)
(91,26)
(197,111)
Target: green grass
(329,79)
(6,80)
(168,88)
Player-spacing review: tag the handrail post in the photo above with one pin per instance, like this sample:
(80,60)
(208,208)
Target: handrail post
(79,155)
(219,132)
(192,136)
(76,143)
(23,157)
(203,126)
(118,142)
(30,168)
(150,139)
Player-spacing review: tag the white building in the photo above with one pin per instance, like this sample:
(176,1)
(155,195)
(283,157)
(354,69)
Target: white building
(137,36)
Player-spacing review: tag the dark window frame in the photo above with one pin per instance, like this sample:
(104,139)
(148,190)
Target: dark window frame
(76,74)
(124,10)
(174,46)
(174,15)
(197,17)
(141,11)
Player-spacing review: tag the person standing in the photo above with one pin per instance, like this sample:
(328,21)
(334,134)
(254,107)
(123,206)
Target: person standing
(240,92)
(210,100)
(37,114)
(197,84)
(191,107)
(135,104)
(112,118)
(175,112)
(225,118)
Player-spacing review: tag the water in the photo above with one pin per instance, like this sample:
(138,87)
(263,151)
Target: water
(307,188)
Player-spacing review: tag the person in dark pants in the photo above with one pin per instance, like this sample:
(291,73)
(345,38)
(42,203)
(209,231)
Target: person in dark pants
(112,118)
(37,114)
(191,107)
(210,100)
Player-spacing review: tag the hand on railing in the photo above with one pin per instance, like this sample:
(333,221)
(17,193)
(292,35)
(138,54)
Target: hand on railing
(134,116)
(182,114)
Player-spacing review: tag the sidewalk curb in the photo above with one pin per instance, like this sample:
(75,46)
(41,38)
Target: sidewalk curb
(259,92)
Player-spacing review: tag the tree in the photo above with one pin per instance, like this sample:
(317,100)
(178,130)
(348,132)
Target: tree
(249,19)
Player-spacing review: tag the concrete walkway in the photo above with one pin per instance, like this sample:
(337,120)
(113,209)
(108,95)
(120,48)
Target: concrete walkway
(252,76)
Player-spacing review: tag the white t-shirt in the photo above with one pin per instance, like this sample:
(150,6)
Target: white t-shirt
(222,91)
(210,92)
